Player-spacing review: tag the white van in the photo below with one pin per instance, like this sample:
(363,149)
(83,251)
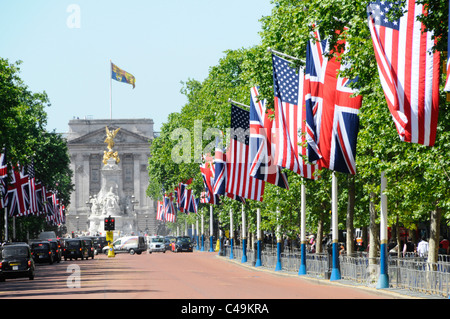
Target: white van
(129,244)
(156,244)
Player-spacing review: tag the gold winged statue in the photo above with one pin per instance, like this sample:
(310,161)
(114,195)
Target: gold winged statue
(110,135)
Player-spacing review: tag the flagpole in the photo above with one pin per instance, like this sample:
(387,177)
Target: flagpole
(244,237)
(6,224)
(335,272)
(240,104)
(231,234)
(258,238)
(203,231)
(110,89)
(211,229)
(383,280)
(302,270)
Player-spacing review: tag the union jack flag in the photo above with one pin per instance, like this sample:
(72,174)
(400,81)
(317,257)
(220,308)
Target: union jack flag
(191,204)
(239,181)
(181,194)
(262,144)
(331,111)
(3,178)
(51,207)
(208,174)
(221,173)
(18,196)
(220,169)
(32,182)
(290,118)
(408,70)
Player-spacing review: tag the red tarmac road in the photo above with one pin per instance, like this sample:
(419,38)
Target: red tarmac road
(198,275)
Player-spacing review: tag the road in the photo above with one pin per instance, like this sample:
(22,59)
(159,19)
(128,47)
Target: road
(180,277)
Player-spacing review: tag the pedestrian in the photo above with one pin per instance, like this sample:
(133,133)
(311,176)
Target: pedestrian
(422,248)
(445,244)
(408,247)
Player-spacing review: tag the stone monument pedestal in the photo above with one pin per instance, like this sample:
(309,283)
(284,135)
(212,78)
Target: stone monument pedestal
(110,201)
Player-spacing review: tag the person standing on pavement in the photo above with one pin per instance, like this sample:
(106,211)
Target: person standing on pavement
(422,248)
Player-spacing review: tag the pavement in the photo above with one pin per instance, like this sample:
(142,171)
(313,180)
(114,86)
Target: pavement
(386,292)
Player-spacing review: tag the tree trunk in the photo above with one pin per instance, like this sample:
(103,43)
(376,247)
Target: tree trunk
(373,240)
(435,225)
(350,214)
(397,231)
(319,236)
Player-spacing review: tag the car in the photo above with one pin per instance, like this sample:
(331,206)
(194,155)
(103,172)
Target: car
(56,248)
(99,243)
(89,245)
(75,248)
(129,244)
(183,243)
(168,240)
(16,261)
(42,252)
(156,244)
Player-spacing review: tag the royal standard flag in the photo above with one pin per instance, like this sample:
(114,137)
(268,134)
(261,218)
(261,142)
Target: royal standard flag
(122,76)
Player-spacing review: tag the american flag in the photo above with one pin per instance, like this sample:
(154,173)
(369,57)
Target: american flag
(160,210)
(331,111)
(408,70)
(290,116)
(239,182)
(262,144)
(169,209)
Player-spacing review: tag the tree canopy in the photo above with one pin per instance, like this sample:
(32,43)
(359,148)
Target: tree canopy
(418,176)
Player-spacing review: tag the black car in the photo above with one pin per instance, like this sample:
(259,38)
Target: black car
(99,243)
(183,243)
(75,248)
(56,248)
(16,262)
(42,252)
(89,242)
(168,240)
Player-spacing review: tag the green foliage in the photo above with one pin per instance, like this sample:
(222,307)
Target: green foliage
(23,135)
(418,176)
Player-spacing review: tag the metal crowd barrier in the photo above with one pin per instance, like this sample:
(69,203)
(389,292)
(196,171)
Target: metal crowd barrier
(410,272)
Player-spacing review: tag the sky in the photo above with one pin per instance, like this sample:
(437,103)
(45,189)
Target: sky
(66,48)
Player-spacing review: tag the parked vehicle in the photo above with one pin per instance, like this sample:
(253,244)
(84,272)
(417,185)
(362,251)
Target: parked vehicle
(89,242)
(168,240)
(156,244)
(16,261)
(130,244)
(75,248)
(183,243)
(42,252)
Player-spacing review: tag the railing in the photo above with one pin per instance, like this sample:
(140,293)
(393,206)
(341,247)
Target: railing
(410,272)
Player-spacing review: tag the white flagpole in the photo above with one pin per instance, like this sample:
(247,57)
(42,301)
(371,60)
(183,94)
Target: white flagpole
(110,89)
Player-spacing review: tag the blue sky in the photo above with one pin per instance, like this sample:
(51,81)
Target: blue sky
(160,42)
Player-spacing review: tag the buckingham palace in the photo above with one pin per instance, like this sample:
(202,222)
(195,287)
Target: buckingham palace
(129,180)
